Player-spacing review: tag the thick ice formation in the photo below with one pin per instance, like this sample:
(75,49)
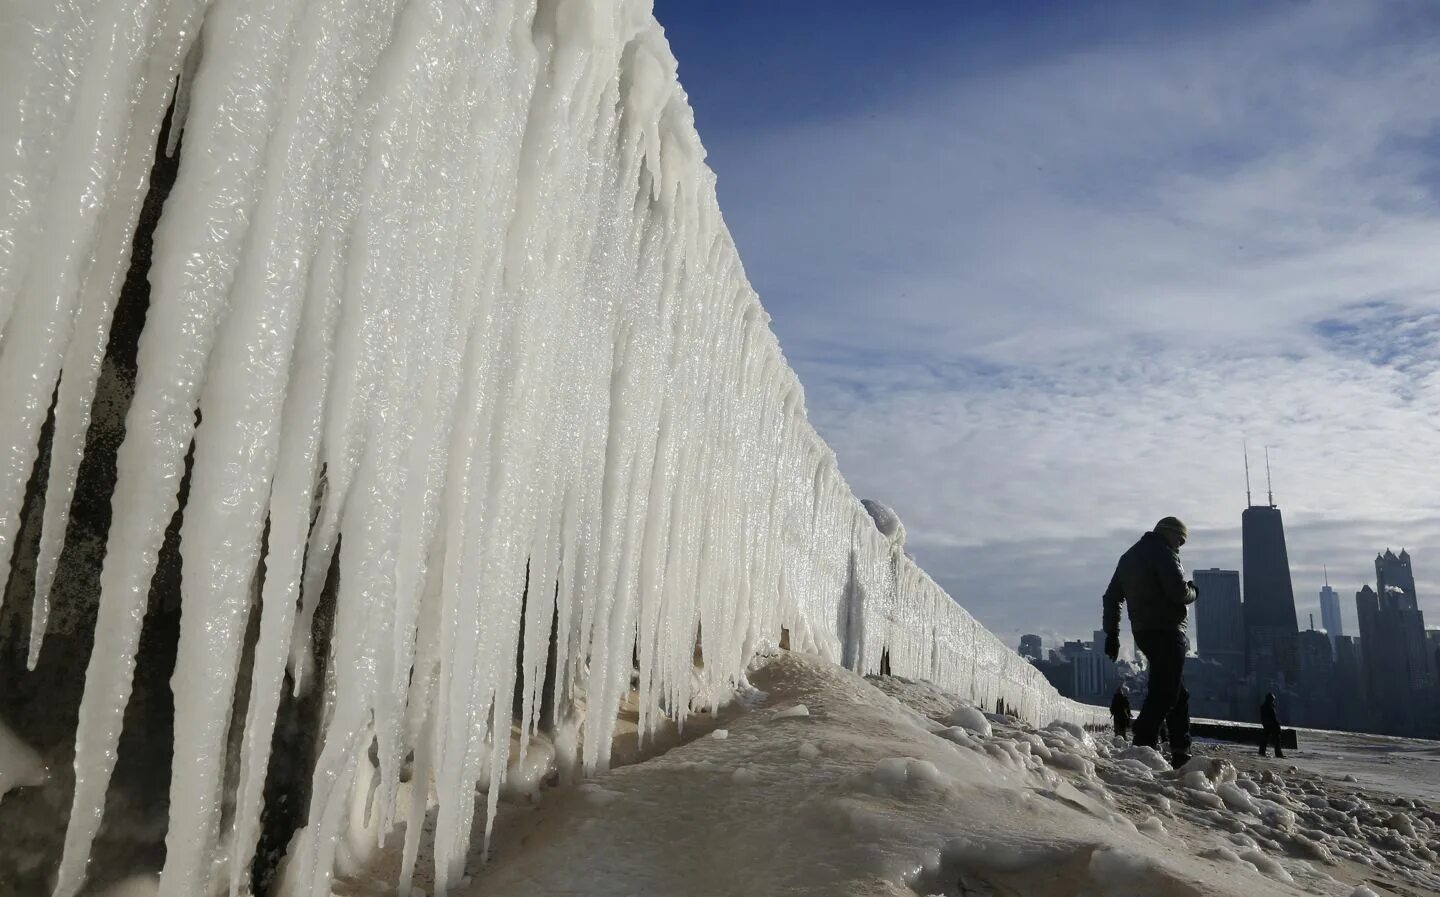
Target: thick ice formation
(444,284)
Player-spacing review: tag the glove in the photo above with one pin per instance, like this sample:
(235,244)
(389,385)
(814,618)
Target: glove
(1112,647)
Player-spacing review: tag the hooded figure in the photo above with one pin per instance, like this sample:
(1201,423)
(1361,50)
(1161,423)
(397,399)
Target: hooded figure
(1150,581)
(1270,721)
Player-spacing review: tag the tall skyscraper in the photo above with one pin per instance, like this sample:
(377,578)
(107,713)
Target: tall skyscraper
(1330,612)
(1270,625)
(1220,618)
(1030,647)
(1397,657)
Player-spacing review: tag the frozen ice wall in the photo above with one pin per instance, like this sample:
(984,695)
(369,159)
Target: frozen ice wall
(443,305)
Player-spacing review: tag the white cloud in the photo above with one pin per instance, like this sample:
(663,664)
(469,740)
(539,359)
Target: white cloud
(1036,310)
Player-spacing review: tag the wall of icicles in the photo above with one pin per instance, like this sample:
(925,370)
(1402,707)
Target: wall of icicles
(443,323)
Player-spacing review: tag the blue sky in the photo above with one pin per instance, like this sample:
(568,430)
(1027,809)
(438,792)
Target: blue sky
(1043,267)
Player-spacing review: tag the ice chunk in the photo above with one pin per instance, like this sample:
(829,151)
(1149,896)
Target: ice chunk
(792,712)
(967,717)
(1205,798)
(1148,756)
(1235,798)
(886,521)
(1197,781)
(1267,865)
(1151,825)
(898,775)
(1072,762)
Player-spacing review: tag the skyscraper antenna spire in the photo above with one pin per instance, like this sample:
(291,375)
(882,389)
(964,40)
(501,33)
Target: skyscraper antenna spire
(1269,490)
(1326,568)
(1248,502)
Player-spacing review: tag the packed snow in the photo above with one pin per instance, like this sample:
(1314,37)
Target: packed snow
(442,299)
(887,803)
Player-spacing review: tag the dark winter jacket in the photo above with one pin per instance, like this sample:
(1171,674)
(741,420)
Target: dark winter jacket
(1151,582)
(1120,706)
(1268,718)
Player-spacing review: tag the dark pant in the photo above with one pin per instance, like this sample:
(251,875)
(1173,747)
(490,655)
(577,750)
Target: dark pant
(1122,725)
(1271,735)
(1167,700)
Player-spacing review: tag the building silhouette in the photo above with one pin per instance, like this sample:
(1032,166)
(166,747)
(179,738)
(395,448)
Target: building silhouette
(1330,612)
(1399,662)
(1270,625)
(1220,619)
(1316,660)
(1393,570)
(1030,647)
(1350,692)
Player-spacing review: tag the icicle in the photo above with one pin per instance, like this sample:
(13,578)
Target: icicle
(455,273)
(90,165)
(86,352)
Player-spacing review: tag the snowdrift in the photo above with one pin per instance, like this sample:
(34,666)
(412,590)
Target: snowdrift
(444,324)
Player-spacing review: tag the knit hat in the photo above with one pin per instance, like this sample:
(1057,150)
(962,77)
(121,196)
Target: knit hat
(1173,525)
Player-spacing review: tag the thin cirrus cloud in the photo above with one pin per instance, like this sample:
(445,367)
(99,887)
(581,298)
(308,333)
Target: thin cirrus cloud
(1038,305)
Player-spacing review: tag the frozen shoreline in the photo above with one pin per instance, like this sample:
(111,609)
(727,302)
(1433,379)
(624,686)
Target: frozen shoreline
(867,792)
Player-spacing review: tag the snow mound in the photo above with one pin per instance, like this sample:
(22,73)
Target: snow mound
(967,717)
(1147,756)
(901,775)
(1073,730)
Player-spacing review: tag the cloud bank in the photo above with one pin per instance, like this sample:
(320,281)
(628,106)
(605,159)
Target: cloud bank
(1038,305)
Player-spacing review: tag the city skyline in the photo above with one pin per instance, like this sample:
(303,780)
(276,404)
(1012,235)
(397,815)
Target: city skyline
(1240,654)
(1305,605)
(1034,322)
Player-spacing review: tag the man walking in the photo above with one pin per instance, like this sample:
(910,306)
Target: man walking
(1120,712)
(1150,580)
(1270,721)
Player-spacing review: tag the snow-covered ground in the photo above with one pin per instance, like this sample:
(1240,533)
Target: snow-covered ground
(830,784)
(1408,766)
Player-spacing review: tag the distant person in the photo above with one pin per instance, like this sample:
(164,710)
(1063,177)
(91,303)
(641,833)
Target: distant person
(1270,721)
(1120,712)
(1150,580)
